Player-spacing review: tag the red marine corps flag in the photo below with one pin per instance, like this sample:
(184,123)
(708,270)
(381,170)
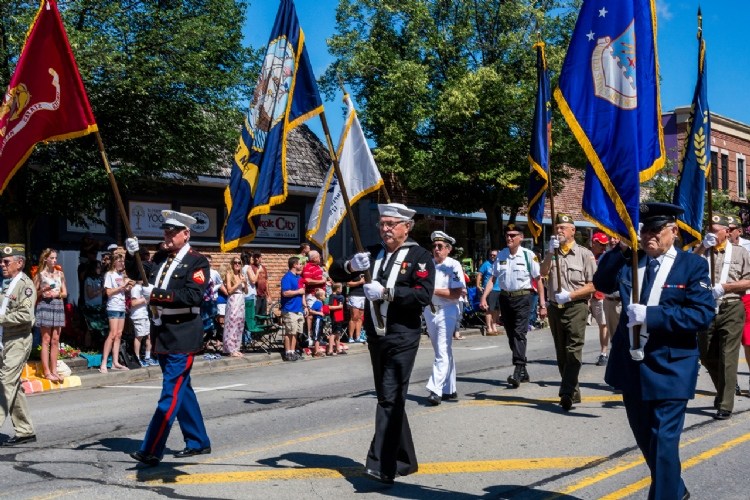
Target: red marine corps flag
(45,100)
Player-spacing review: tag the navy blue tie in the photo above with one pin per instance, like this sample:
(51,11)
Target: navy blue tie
(648,279)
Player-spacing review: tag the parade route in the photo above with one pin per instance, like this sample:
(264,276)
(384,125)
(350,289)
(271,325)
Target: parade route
(301,430)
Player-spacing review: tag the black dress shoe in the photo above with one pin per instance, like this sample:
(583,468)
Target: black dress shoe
(378,476)
(433,399)
(191,452)
(515,380)
(566,402)
(723,415)
(524,374)
(145,458)
(686,496)
(20,440)
(450,397)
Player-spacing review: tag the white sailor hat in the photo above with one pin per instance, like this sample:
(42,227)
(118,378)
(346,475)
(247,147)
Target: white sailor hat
(176,220)
(396,210)
(441,236)
(112,247)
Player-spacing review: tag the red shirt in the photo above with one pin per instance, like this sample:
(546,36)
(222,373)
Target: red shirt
(312,272)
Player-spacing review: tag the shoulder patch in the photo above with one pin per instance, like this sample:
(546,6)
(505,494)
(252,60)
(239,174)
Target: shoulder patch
(199,277)
(28,292)
(536,259)
(705,285)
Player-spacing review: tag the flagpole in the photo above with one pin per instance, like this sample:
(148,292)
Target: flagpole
(347,204)
(120,205)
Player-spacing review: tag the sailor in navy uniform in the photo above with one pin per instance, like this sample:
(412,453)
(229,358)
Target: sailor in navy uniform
(402,285)
(176,290)
(659,377)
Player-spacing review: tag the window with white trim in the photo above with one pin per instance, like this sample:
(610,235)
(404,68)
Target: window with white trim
(741,177)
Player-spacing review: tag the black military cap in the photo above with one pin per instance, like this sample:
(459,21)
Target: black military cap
(654,215)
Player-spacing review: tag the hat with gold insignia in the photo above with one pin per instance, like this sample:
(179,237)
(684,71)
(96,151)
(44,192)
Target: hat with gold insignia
(13,249)
(515,227)
(441,236)
(564,219)
(655,215)
(177,220)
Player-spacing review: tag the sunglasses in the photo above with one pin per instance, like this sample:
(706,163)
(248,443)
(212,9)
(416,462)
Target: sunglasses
(439,246)
(388,225)
(7,262)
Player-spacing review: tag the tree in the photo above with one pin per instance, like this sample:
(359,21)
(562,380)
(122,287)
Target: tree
(661,188)
(164,80)
(446,90)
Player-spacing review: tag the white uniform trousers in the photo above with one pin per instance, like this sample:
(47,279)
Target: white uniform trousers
(440,327)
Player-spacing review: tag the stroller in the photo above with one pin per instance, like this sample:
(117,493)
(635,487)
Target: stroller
(473,316)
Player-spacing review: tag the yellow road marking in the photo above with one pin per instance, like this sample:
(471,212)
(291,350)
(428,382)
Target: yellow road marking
(345,472)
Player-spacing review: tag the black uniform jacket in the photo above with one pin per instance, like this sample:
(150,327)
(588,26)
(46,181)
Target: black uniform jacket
(181,330)
(412,291)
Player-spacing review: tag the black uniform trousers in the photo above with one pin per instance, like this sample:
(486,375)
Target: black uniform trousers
(515,312)
(392,449)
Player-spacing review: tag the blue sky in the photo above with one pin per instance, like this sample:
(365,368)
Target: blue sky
(724,21)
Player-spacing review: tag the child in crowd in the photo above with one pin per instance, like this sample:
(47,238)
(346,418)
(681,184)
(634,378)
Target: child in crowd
(139,316)
(316,311)
(336,308)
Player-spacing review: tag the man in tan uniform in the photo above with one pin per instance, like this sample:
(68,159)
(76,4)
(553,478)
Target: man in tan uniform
(720,345)
(568,309)
(17,300)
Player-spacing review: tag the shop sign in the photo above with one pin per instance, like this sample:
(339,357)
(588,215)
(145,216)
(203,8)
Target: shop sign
(278,226)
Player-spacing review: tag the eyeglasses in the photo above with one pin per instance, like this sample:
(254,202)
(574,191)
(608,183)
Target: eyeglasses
(654,230)
(7,262)
(236,262)
(171,231)
(439,246)
(388,225)
(509,235)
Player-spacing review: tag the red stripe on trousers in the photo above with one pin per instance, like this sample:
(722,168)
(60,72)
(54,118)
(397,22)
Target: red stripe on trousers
(175,391)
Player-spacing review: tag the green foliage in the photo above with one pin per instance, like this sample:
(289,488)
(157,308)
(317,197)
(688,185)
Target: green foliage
(661,188)
(164,79)
(446,90)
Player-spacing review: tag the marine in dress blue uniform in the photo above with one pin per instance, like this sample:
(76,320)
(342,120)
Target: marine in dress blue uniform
(658,381)
(178,285)
(393,348)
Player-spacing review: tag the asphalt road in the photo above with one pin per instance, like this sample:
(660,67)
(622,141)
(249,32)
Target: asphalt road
(301,430)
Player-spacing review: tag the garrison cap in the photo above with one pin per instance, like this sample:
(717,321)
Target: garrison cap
(13,249)
(177,220)
(654,215)
(441,236)
(725,220)
(564,219)
(396,210)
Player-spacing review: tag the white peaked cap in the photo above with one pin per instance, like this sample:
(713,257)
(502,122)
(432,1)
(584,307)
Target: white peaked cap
(174,219)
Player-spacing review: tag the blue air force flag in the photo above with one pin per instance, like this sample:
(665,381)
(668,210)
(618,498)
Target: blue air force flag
(695,164)
(541,141)
(360,177)
(609,96)
(285,95)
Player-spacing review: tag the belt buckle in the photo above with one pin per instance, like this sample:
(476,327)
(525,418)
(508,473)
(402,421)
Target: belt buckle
(560,306)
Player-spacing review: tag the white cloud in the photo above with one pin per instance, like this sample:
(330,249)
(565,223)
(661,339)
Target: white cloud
(662,10)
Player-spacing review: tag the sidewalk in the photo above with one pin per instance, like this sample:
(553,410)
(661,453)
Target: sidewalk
(92,378)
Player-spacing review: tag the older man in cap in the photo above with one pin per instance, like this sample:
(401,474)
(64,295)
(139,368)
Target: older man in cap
(402,285)
(568,303)
(658,376)
(441,318)
(720,344)
(177,284)
(17,301)
(515,269)
(735,236)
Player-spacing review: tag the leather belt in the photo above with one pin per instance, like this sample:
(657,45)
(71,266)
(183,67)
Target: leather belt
(181,310)
(517,293)
(569,304)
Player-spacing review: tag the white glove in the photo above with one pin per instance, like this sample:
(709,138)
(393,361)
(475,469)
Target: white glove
(360,262)
(562,297)
(554,244)
(374,291)
(132,245)
(718,291)
(147,289)
(637,354)
(709,240)
(636,315)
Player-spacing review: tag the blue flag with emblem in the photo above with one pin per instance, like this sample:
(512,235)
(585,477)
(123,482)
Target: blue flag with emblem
(286,95)
(695,164)
(541,141)
(613,108)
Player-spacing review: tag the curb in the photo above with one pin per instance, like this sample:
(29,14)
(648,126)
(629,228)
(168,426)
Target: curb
(92,378)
